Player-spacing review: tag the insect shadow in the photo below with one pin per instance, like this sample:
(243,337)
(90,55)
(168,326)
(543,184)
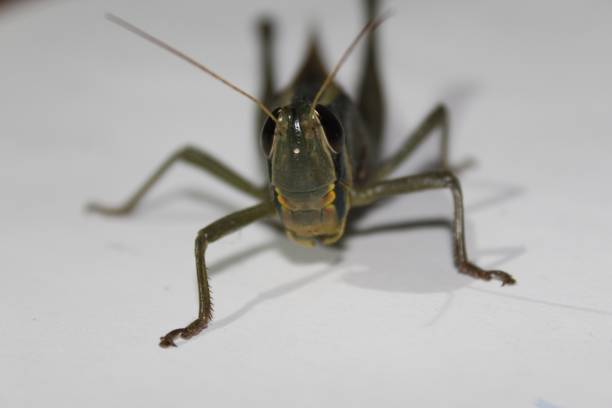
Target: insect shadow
(422,242)
(425,271)
(289,251)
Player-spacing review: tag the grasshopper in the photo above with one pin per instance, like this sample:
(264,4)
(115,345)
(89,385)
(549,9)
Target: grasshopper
(323,156)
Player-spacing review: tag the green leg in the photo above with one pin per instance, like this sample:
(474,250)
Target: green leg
(192,156)
(211,233)
(370,100)
(437,118)
(428,181)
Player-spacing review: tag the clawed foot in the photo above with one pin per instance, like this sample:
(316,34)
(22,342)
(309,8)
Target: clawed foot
(476,272)
(186,333)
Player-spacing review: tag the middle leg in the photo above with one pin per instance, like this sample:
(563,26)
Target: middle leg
(193,156)
(437,118)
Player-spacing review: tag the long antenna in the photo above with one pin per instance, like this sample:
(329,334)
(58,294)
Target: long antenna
(368,28)
(122,23)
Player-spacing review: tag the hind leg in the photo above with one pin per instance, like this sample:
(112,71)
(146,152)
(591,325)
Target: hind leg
(370,95)
(266,30)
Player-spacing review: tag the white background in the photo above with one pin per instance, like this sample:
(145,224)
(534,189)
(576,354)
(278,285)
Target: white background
(87,110)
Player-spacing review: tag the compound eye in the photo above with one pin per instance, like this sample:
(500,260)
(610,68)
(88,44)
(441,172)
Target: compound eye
(332,128)
(267,134)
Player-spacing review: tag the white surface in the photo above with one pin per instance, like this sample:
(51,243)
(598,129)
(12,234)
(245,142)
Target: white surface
(88,110)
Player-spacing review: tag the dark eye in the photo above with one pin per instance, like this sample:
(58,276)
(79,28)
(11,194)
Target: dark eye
(267,133)
(332,127)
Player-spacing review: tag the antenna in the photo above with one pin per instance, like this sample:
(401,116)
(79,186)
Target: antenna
(124,24)
(368,28)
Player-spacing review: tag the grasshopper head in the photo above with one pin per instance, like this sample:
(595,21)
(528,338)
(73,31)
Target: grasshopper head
(306,158)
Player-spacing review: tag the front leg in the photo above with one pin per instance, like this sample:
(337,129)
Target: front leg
(428,181)
(211,233)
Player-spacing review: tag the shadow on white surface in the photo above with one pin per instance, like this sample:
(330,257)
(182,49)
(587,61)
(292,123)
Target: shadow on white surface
(545,302)
(499,193)
(273,293)
(368,270)
(409,275)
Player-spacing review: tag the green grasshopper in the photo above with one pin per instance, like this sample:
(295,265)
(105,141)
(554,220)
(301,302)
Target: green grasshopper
(323,155)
